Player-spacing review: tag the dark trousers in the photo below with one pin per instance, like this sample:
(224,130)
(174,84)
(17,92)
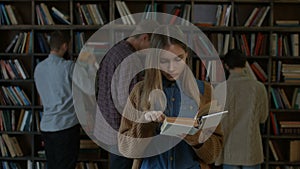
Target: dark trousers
(119,162)
(62,148)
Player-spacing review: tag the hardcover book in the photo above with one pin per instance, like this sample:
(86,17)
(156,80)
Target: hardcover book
(174,126)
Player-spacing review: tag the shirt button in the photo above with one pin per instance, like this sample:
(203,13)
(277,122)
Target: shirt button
(171,158)
(191,107)
(173,99)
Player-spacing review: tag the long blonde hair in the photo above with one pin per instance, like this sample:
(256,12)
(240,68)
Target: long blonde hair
(163,37)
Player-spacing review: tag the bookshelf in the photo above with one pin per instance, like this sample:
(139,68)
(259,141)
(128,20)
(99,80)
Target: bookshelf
(262,40)
(30,139)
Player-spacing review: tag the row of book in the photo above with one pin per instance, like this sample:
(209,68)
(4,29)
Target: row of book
(178,10)
(213,71)
(21,43)
(10,165)
(285,44)
(43,165)
(289,127)
(276,150)
(44,16)
(97,48)
(276,71)
(10,120)
(13,95)
(80,39)
(204,14)
(219,13)
(281,100)
(223,42)
(125,13)
(43,42)
(209,70)
(222,15)
(259,71)
(86,14)
(284,127)
(93,14)
(285,72)
(182,11)
(211,15)
(257,16)
(90,14)
(19,120)
(295,150)
(13,69)
(254,44)
(9,15)
(10,146)
(251,44)
(291,72)
(148,9)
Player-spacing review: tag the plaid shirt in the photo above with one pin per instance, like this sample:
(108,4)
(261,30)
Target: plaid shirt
(112,92)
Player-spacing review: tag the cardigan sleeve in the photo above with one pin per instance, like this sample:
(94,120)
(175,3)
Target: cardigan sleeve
(134,132)
(212,147)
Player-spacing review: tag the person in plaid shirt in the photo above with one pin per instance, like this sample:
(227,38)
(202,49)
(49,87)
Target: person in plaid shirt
(112,89)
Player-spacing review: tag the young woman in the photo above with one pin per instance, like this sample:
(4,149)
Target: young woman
(168,89)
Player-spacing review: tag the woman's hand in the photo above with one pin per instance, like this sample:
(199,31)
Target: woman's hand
(154,116)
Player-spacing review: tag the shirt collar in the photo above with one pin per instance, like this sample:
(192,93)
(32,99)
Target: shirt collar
(53,56)
(168,83)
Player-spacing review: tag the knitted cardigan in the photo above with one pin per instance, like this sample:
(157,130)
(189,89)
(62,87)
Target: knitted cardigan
(207,152)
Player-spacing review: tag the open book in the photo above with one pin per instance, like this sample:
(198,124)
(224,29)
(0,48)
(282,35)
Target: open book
(174,126)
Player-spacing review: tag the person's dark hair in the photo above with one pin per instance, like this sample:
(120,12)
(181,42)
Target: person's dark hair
(57,38)
(235,58)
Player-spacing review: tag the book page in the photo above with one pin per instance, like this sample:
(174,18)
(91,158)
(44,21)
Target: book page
(211,120)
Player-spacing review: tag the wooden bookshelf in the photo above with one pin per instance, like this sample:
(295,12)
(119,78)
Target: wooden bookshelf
(30,140)
(240,10)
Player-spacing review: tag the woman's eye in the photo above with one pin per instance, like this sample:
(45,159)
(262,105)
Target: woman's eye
(178,59)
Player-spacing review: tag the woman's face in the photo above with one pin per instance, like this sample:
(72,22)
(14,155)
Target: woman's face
(172,61)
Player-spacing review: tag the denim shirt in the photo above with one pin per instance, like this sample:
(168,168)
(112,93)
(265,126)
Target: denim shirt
(182,156)
(53,79)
